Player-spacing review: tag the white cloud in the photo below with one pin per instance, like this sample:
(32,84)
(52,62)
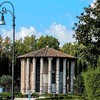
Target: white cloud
(93,4)
(23,32)
(5,33)
(94,1)
(60,32)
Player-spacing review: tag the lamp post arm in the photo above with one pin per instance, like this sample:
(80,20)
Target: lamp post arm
(4,10)
(10,12)
(12,16)
(10,4)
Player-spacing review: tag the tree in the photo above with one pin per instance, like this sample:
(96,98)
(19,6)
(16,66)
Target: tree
(6,81)
(50,41)
(5,56)
(7,47)
(29,43)
(70,48)
(26,45)
(87,32)
(75,49)
(19,46)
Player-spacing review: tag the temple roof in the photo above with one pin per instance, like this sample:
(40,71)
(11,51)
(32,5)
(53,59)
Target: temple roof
(46,52)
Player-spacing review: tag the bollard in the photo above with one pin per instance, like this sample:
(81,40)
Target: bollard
(29,95)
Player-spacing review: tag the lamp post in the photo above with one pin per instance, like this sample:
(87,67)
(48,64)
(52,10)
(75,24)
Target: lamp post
(2,22)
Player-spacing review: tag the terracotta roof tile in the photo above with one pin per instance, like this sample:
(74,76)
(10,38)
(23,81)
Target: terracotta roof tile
(46,52)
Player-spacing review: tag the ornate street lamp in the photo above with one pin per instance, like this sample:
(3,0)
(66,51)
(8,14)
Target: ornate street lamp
(2,22)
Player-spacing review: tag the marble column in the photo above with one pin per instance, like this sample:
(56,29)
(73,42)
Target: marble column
(68,76)
(34,75)
(49,74)
(27,75)
(41,75)
(22,76)
(72,76)
(64,76)
(57,75)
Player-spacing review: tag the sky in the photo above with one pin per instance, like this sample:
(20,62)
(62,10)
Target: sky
(43,17)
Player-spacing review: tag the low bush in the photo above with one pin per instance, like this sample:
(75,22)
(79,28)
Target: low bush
(25,96)
(7,95)
(48,95)
(63,97)
(18,94)
(35,95)
(92,83)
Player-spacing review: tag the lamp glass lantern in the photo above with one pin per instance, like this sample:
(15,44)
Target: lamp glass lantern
(2,21)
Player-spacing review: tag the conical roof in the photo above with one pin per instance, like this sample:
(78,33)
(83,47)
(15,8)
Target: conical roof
(46,52)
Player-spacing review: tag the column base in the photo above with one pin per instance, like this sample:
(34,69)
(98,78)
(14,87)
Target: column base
(27,90)
(49,89)
(33,91)
(64,90)
(57,92)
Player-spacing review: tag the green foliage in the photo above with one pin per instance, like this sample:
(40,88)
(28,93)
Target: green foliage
(50,41)
(70,48)
(5,55)
(35,95)
(92,83)
(18,94)
(76,49)
(5,46)
(30,44)
(19,47)
(6,94)
(78,84)
(25,95)
(26,45)
(6,81)
(87,32)
(62,97)
(47,95)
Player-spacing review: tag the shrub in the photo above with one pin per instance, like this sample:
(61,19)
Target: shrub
(78,84)
(6,94)
(48,95)
(5,82)
(92,83)
(25,96)
(18,94)
(35,95)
